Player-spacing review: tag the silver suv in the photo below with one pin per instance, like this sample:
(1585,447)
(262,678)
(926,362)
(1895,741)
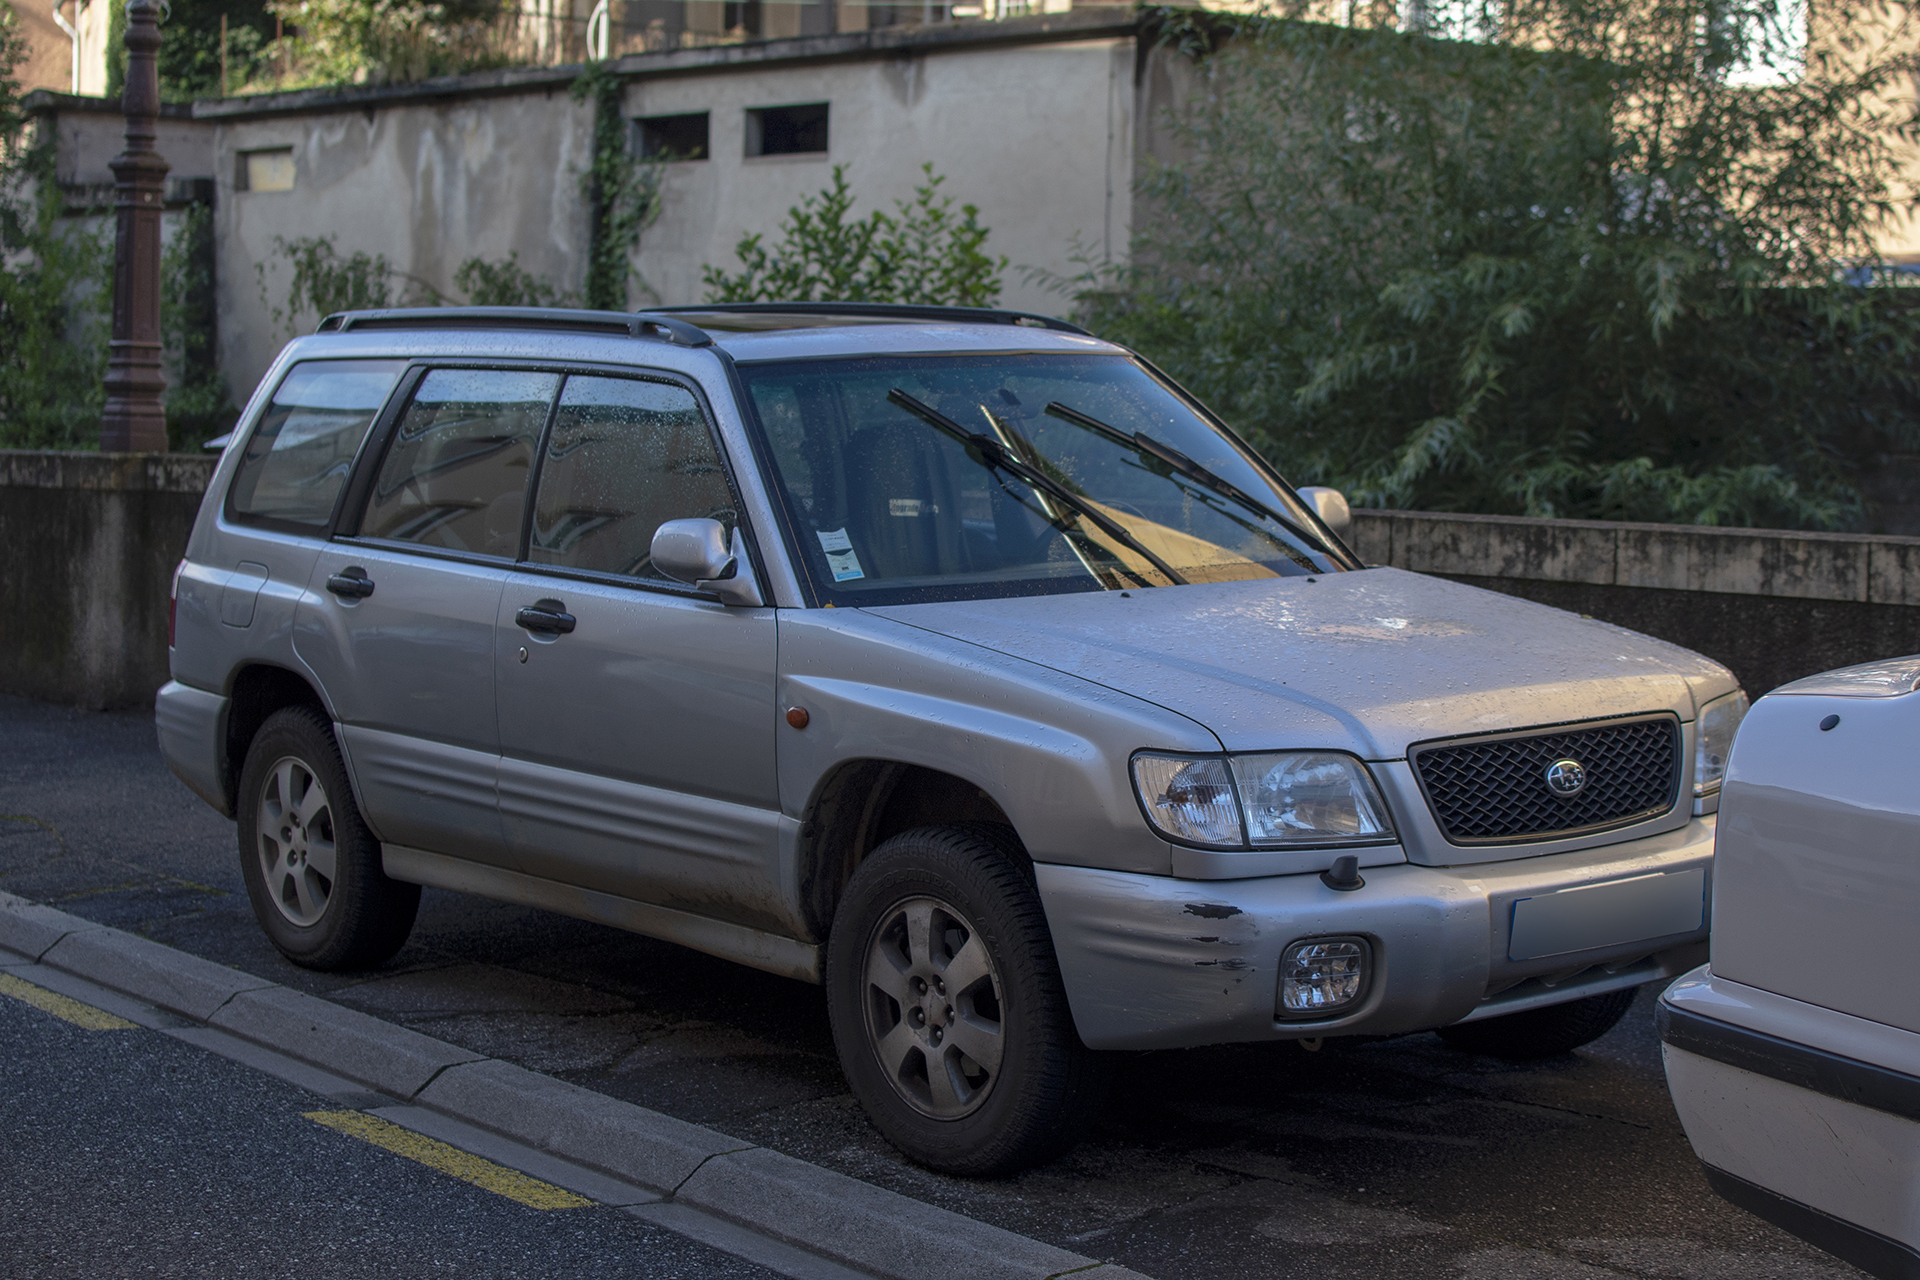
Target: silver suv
(957,660)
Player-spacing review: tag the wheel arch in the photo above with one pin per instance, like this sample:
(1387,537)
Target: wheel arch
(862,803)
(255,692)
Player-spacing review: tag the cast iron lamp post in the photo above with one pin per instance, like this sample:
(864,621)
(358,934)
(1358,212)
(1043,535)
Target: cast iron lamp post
(134,420)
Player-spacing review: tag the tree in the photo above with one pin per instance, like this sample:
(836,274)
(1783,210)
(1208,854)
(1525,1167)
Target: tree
(53,278)
(1586,265)
(924,253)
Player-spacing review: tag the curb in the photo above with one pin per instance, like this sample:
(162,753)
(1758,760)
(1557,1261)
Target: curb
(817,1210)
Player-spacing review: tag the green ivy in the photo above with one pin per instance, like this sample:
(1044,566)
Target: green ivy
(621,191)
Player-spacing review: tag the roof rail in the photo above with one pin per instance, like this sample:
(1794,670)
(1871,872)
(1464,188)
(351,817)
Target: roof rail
(879,310)
(559,319)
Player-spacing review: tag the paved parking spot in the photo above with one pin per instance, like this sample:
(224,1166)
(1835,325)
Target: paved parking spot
(135,1154)
(1400,1159)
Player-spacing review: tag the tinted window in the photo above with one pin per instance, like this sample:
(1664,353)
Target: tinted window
(456,473)
(298,457)
(893,508)
(625,456)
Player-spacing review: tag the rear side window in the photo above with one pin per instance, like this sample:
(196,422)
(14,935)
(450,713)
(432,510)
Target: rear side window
(297,459)
(456,474)
(625,456)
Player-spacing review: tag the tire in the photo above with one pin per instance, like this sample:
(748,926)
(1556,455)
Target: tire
(312,868)
(948,1011)
(1542,1033)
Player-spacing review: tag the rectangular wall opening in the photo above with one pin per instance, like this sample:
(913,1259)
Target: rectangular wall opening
(681,137)
(265,170)
(787,131)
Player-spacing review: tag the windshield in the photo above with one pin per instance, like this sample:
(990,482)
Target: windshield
(922,478)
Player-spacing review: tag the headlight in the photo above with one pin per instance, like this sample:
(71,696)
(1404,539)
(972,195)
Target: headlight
(1309,797)
(1188,799)
(1713,740)
(1288,799)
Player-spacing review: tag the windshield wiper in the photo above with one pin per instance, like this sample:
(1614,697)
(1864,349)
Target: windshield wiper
(1175,460)
(990,453)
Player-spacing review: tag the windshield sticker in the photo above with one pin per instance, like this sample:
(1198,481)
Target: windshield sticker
(842,561)
(903,506)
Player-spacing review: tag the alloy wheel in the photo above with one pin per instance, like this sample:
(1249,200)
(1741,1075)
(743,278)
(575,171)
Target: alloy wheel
(933,1011)
(296,841)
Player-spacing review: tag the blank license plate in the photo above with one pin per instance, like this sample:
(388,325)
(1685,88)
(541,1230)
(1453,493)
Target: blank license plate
(1608,914)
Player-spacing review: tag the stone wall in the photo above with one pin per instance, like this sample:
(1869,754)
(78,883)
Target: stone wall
(91,540)
(1771,605)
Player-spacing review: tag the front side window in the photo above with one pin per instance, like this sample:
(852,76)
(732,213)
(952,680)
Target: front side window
(456,474)
(624,457)
(922,478)
(297,458)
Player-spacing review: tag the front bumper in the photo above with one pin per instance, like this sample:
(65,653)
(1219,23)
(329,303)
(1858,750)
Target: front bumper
(1805,1116)
(1151,962)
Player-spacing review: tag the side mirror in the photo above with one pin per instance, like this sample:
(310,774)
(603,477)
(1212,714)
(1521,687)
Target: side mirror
(696,552)
(1331,506)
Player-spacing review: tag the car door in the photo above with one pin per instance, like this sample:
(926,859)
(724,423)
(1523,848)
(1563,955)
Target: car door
(637,743)
(398,624)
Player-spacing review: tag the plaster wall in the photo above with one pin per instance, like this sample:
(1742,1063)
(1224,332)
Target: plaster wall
(1040,137)
(51,53)
(427,185)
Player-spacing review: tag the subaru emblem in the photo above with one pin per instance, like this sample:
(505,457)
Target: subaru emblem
(1566,778)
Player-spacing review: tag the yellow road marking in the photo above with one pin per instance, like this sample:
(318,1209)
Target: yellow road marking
(464,1165)
(80,1015)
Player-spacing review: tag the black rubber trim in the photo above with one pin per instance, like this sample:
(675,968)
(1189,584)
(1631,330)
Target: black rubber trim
(1873,1253)
(1848,1079)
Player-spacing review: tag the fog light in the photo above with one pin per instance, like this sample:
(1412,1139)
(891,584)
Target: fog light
(1322,976)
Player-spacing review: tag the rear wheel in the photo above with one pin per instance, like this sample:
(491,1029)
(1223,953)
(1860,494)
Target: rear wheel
(948,1011)
(1542,1033)
(312,869)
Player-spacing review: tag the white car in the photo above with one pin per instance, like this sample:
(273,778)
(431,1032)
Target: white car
(1794,1055)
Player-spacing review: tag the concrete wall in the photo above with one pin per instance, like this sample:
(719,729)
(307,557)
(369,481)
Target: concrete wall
(1030,119)
(1039,136)
(1773,606)
(91,541)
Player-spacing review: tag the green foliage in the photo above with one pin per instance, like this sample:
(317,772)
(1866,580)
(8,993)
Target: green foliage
(198,406)
(622,192)
(1581,269)
(53,274)
(383,41)
(190,47)
(924,253)
(326,280)
(508,284)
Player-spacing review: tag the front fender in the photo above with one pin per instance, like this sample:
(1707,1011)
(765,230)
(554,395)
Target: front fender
(1050,749)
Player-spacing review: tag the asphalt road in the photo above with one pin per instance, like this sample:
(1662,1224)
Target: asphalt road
(129,1153)
(1400,1158)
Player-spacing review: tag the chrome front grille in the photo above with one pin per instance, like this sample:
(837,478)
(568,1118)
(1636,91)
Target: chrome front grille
(1494,790)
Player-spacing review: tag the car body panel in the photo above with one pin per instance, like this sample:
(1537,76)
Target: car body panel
(1822,850)
(1794,1056)
(1765,1099)
(638,749)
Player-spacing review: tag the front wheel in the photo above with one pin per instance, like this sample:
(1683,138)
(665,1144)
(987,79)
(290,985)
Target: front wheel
(1542,1033)
(948,1012)
(312,869)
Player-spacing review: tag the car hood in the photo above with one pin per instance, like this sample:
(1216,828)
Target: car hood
(1365,661)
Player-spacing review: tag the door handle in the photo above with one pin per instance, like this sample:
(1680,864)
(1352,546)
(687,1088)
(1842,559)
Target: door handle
(549,616)
(351,582)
